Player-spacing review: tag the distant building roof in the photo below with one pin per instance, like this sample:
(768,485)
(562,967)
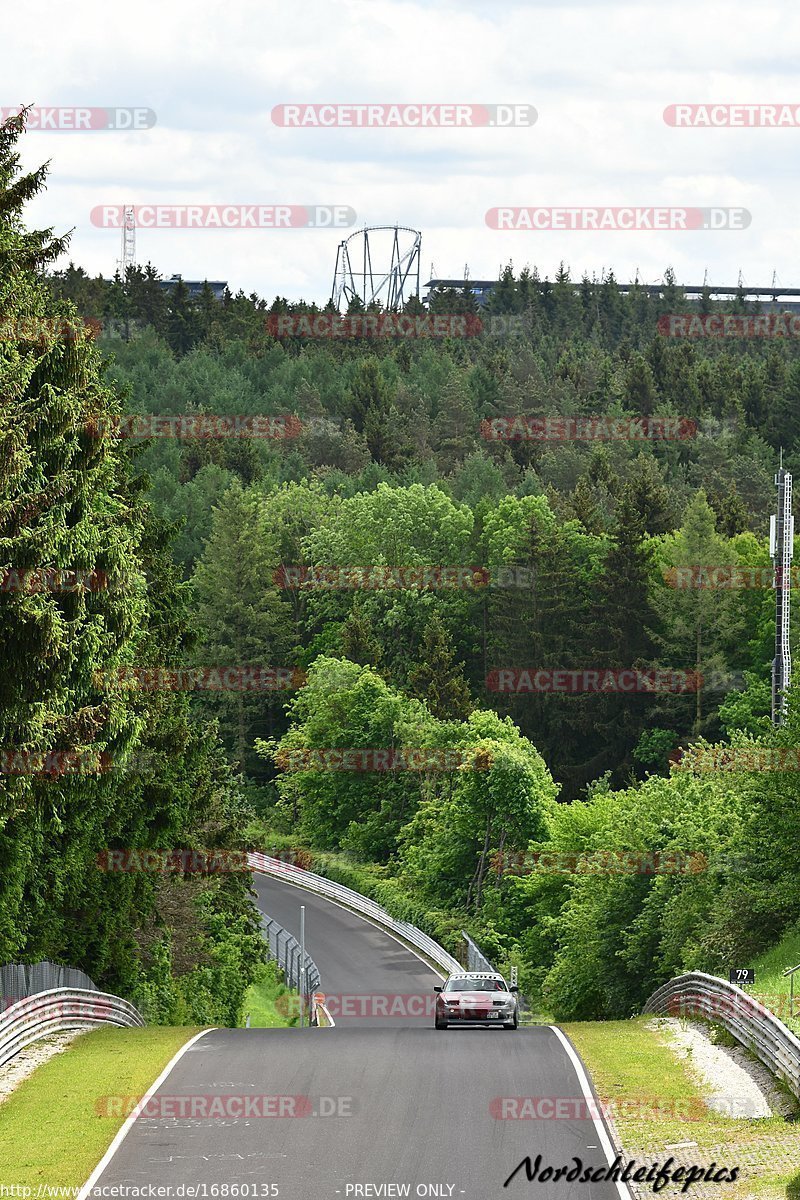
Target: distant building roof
(774,292)
(195,286)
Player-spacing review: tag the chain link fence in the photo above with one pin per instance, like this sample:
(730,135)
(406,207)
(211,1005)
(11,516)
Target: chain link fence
(285,950)
(18,981)
(476,959)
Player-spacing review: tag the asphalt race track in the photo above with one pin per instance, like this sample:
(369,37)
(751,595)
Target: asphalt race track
(377,1107)
(364,971)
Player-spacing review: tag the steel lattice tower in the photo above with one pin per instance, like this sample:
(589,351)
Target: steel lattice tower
(781,548)
(128,249)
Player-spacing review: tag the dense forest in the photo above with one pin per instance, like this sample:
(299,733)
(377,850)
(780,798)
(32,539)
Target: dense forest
(376,555)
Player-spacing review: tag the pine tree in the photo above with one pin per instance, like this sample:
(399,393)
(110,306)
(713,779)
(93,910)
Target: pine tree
(359,641)
(62,502)
(437,678)
(245,620)
(640,391)
(148,300)
(69,501)
(184,327)
(454,433)
(700,626)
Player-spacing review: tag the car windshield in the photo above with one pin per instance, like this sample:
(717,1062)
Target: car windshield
(475,985)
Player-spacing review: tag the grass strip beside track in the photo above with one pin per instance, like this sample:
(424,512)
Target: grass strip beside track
(50,1131)
(772,986)
(656,1105)
(269,1002)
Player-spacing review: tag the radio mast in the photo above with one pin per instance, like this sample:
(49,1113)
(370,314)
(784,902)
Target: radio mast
(781,548)
(128,249)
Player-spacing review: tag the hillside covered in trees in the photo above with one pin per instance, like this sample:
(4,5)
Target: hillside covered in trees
(399,565)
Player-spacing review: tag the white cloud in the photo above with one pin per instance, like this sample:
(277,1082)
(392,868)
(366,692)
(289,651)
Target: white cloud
(599,74)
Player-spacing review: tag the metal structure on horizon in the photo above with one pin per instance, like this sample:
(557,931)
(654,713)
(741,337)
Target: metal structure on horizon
(781,548)
(376,265)
(128,249)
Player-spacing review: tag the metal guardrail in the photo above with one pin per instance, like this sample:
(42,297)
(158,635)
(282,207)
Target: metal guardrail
(358,903)
(713,999)
(58,1010)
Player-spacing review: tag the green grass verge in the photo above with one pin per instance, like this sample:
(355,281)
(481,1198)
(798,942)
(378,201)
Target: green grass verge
(50,1132)
(656,1104)
(269,1002)
(771,988)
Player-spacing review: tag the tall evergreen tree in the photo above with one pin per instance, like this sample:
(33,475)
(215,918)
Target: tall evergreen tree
(71,729)
(438,679)
(244,618)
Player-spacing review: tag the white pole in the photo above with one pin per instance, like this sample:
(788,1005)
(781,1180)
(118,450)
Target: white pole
(302,962)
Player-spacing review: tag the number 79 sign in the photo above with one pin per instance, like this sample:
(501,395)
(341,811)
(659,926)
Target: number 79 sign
(743,976)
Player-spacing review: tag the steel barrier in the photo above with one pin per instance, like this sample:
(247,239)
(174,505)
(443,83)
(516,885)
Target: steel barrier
(430,949)
(476,959)
(699,995)
(59,1010)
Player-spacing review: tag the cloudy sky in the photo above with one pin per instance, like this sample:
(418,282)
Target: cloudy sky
(599,74)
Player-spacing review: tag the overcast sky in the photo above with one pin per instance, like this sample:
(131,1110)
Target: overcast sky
(598,73)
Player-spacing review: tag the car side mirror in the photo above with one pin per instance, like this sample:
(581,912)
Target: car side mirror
(438,987)
(513,988)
